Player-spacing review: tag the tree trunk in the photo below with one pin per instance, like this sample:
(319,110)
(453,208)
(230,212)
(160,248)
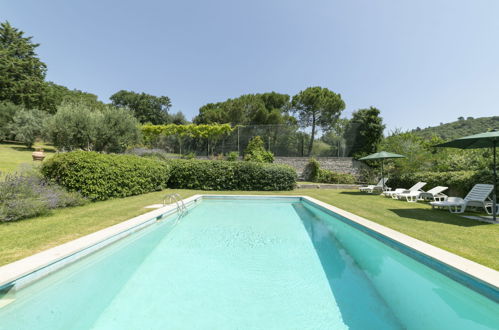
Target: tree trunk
(312,136)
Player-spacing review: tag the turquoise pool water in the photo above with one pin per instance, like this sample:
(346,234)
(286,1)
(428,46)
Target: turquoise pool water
(249,264)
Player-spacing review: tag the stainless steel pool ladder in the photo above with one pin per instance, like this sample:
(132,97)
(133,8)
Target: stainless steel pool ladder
(181,208)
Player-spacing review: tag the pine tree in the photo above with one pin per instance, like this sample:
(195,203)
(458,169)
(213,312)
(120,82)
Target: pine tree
(22,73)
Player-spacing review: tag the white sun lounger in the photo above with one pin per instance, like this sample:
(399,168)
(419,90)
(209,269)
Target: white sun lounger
(416,188)
(477,197)
(390,193)
(434,194)
(372,187)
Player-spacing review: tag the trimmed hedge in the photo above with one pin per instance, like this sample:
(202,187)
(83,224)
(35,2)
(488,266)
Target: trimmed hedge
(459,182)
(103,176)
(229,175)
(326,176)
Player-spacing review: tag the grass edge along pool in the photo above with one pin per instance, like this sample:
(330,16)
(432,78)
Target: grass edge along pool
(483,288)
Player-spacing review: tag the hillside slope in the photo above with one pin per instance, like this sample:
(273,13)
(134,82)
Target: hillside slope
(461,127)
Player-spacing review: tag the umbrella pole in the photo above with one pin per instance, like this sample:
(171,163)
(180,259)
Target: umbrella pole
(382,161)
(494,197)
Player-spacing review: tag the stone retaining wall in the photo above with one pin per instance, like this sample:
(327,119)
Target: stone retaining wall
(336,164)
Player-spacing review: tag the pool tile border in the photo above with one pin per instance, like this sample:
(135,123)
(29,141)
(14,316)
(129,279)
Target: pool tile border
(22,272)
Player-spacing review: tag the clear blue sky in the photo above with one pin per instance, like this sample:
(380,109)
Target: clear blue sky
(420,62)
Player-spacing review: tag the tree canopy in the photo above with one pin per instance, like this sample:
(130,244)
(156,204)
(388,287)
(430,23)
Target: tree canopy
(364,132)
(145,107)
(249,109)
(22,73)
(317,107)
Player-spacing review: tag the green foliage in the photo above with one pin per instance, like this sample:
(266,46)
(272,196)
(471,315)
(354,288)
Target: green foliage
(211,133)
(311,171)
(56,95)
(314,173)
(26,126)
(145,107)
(22,73)
(326,176)
(116,129)
(26,194)
(250,109)
(317,107)
(78,126)
(233,156)
(364,132)
(226,175)
(255,152)
(459,128)
(7,113)
(101,176)
(73,127)
(459,182)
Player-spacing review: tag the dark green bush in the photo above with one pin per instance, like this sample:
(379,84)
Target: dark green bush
(326,176)
(311,171)
(314,173)
(102,176)
(227,175)
(459,182)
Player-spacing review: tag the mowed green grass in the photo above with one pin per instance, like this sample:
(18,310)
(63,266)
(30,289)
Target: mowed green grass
(468,238)
(14,155)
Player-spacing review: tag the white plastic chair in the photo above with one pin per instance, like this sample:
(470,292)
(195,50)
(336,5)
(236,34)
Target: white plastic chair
(479,196)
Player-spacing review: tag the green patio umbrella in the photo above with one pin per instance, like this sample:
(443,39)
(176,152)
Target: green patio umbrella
(482,140)
(382,155)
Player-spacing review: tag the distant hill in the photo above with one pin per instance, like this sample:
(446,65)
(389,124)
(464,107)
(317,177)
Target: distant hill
(461,127)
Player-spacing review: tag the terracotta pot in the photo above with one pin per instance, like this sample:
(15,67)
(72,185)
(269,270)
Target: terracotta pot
(38,154)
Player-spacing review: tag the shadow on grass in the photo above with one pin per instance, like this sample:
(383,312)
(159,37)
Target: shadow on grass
(442,216)
(358,193)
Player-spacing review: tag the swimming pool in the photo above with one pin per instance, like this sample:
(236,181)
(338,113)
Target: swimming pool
(258,263)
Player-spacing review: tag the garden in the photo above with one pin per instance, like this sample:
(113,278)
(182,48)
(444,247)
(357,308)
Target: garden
(103,163)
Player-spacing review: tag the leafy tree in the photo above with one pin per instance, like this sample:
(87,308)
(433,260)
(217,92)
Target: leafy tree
(22,73)
(317,107)
(255,151)
(78,126)
(7,112)
(73,127)
(145,107)
(117,129)
(364,132)
(177,118)
(57,95)
(27,125)
(250,109)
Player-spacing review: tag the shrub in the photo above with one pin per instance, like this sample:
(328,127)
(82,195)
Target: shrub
(233,156)
(255,152)
(101,176)
(26,194)
(190,155)
(459,182)
(326,176)
(314,173)
(226,175)
(311,171)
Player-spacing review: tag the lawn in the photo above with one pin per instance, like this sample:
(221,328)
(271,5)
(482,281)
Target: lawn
(13,155)
(468,238)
